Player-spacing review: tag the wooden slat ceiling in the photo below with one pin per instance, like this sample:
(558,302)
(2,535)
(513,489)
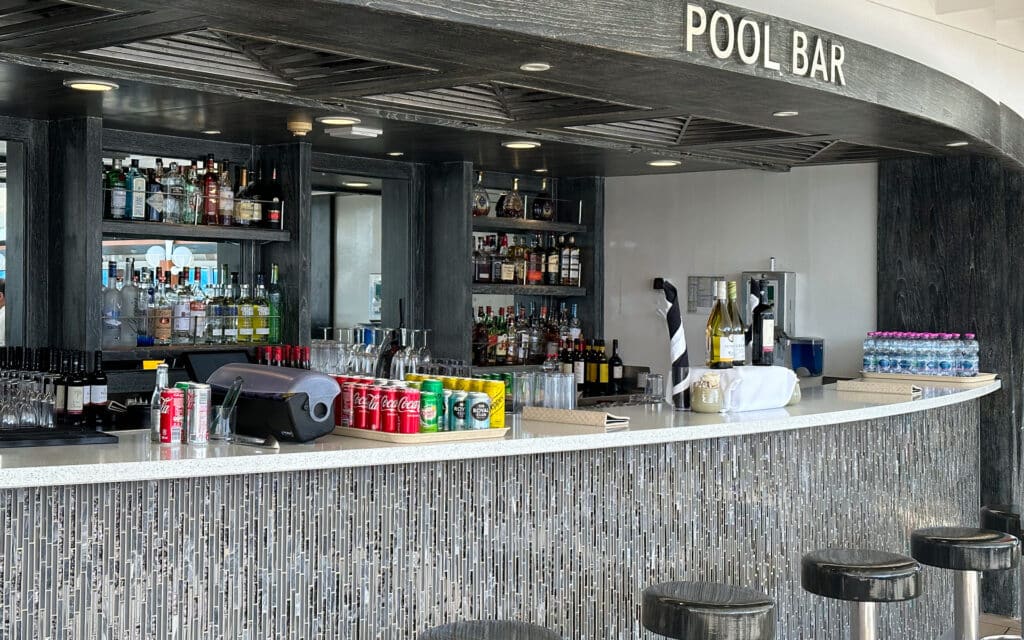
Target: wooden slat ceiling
(182,45)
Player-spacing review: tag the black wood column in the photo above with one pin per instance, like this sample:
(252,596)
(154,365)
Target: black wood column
(951,258)
(448,256)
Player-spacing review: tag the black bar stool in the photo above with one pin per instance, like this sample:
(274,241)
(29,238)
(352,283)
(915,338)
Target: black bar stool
(489,630)
(864,578)
(708,611)
(1006,518)
(967,551)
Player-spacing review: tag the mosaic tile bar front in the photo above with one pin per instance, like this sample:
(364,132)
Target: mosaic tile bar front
(566,540)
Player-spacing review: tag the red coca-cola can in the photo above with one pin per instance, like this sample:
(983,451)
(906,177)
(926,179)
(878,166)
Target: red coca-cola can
(346,398)
(172,415)
(359,392)
(389,409)
(373,397)
(409,411)
(277,358)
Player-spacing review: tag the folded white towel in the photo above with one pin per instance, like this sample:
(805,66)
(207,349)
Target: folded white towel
(753,388)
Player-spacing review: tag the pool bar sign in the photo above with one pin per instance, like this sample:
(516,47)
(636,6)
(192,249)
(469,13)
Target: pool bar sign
(753,43)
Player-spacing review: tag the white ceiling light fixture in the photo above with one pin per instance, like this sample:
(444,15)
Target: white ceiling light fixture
(664,163)
(957,143)
(338,121)
(534,66)
(786,114)
(210,132)
(396,154)
(520,144)
(299,128)
(90,84)
(355,185)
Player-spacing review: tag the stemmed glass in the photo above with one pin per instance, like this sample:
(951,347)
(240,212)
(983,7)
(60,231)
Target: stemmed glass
(423,353)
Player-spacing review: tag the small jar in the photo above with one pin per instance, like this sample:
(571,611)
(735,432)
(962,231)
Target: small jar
(706,394)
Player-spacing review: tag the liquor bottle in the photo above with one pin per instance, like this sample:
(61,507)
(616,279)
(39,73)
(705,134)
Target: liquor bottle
(552,261)
(98,415)
(535,262)
(243,203)
(230,308)
(551,334)
(481,205)
(575,269)
(155,193)
(501,338)
(542,208)
(155,401)
(245,313)
(590,371)
(76,401)
(717,331)
(575,326)
(737,335)
(116,185)
(275,305)
(136,201)
(479,339)
(565,256)
(161,313)
(214,314)
(181,303)
(272,195)
(111,309)
(616,369)
(261,313)
(512,354)
(603,378)
(508,265)
(512,205)
(762,327)
(130,312)
(481,264)
(174,194)
(197,307)
(225,196)
(492,340)
(519,256)
(579,364)
(211,186)
(193,211)
(60,397)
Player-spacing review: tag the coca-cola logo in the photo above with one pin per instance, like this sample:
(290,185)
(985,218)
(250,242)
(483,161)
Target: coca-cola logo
(405,405)
(390,405)
(359,400)
(372,403)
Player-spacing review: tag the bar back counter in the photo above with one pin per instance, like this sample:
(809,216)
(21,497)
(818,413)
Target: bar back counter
(555,525)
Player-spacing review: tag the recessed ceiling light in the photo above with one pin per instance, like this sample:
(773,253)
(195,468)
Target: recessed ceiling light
(540,170)
(396,154)
(210,132)
(663,163)
(90,84)
(520,144)
(535,66)
(355,185)
(786,114)
(338,121)
(957,143)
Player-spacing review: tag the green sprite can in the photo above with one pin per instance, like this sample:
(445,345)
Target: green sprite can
(429,411)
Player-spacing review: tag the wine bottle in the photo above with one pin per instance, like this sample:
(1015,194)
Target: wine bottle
(737,334)
(718,330)
(762,327)
(616,368)
(603,377)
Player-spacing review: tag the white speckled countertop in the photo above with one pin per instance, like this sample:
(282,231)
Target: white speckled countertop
(135,458)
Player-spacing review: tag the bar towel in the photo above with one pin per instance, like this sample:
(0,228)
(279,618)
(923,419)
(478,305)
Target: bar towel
(753,388)
(677,348)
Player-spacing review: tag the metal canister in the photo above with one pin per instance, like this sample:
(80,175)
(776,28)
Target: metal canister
(479,415)
(389,409)
(457,411)
(429,411)
(344,416)
(496,392)
(409,411)
(197,411)
(444,422)
(172,415)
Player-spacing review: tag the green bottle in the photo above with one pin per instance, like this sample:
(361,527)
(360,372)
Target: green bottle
(274,300)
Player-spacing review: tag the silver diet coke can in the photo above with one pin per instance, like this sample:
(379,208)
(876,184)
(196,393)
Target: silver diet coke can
(197,407)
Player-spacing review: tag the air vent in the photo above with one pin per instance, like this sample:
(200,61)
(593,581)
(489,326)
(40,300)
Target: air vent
(685,131)
(19,19)
(788,153)
(846,152)
(246,61)
(496,101)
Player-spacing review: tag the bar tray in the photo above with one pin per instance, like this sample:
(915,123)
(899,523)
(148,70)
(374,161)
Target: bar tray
(973,381)
(40,437)
(422,438)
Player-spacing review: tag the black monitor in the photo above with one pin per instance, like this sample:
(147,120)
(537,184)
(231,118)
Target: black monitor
(200,364)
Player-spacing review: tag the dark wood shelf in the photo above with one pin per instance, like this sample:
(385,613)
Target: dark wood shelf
(169,351)
(506,368)
(190,232)
(513,225)
(528,290)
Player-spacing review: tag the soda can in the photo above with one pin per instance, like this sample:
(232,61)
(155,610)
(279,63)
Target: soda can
(359,392)
(429,411)
(381,382)
(461,384)
(448,382)
(444,421)
(479,411)
(344,415)
(172,415)
(389,409)
(476,385)
(413,384)
(496,391)
(373,396)
(457,411)
(197,411)
(409,411)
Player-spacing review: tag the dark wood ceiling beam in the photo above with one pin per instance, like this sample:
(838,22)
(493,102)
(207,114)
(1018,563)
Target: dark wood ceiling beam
(111,31)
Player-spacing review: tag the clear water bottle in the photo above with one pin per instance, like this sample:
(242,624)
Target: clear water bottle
(931,355)
(969,364)
(884,351)
(870,362)
(945,348)
(958,353)
(919,355)
(904,350)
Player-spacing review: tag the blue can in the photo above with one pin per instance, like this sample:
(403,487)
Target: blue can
(479,411)
(458,418)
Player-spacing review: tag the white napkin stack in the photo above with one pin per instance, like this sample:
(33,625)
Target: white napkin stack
(753,388)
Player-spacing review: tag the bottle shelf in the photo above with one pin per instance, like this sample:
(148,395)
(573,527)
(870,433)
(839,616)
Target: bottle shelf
(528,290)
(506,368)
(518,225)
(171,351)
(168,231)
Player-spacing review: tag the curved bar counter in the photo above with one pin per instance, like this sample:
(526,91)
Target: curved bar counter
(558,525)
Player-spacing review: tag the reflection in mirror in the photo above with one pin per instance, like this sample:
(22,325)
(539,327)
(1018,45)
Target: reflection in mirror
(157,292)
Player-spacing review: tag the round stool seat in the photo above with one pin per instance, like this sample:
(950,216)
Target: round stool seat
(965,549)
(708,611)
(489,630)
(1002,517)
(861,575)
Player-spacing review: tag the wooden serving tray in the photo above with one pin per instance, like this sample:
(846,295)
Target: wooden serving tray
(981,378)
(422,438)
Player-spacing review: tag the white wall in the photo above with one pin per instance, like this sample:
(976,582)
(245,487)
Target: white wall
(817,221)
(356,255)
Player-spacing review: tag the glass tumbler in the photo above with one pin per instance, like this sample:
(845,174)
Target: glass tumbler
(655,388)
(522,391)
